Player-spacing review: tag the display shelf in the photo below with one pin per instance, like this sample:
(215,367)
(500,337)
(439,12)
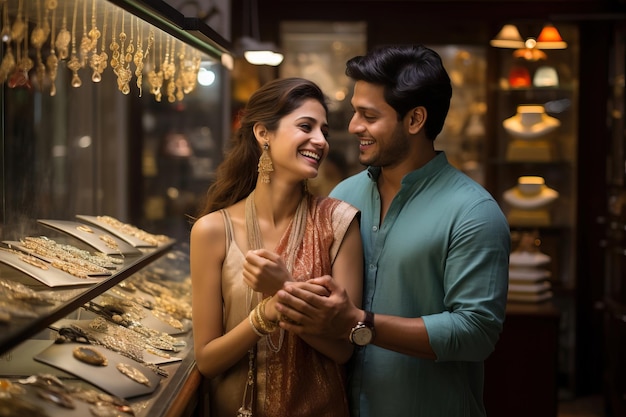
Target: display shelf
(167,265)
(532,165)
(21,329)
(534,134)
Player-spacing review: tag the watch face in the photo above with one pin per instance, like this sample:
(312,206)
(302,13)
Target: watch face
(362,336)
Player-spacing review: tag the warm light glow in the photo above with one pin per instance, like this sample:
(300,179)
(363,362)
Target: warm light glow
(508,37)
(228,61)
(206,77)
(530,54)
(260,53)
(263,57)
(530,43)
(550,38)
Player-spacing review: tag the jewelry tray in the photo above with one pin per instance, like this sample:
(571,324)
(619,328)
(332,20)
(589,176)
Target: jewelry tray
(92,239)
(132,240)
(153,322)
(147,356)
(52,277)
(107,378)
(18,245)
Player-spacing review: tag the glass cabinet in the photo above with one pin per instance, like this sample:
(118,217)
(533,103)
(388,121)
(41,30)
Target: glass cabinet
(532,172)
(113,114)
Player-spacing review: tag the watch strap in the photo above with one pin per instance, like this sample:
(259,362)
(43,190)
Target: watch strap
(369,319)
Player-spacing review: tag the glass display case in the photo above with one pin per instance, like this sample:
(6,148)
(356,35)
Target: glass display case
(532,172)
(113,114)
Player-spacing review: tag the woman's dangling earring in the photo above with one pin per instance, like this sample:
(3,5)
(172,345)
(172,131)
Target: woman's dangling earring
(265,164)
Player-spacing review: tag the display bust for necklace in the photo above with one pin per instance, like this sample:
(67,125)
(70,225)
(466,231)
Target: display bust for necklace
(530,193)
(530,122)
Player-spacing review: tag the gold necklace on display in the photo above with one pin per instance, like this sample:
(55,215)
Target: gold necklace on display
(8,60)
(98,61)
(52,62)
(74,63)
(63,37)
(38,37)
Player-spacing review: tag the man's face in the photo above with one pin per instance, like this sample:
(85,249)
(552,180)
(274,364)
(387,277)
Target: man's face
(382,141)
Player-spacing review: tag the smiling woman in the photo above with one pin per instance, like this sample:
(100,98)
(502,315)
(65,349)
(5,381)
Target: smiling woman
(261,223)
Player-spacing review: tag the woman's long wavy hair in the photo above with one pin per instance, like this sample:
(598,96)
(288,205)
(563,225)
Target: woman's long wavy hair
(236,176)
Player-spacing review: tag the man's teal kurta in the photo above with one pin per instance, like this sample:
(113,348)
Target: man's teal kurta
(442,254)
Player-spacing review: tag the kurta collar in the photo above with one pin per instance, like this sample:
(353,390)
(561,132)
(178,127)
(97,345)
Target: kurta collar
(433,166)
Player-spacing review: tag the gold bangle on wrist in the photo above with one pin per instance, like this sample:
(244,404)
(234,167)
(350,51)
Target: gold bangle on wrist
(255,327)
(262,311)
(265,324)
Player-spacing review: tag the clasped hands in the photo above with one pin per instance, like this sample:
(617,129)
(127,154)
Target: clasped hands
(318,306)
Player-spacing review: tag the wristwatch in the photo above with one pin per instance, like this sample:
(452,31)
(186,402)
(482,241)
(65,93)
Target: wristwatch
(363,333)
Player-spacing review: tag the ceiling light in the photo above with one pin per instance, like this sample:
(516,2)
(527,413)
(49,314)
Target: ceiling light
(255,51)
(531,48)
(260,53)
(550,38)
(508,37)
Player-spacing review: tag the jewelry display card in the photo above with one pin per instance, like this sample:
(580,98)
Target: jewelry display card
(147,356)
(49,260)
(151,321)
(106,376)
(19,361)
(94,237)
(52,277)
(132,240)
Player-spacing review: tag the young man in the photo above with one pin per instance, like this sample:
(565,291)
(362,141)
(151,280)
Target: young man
(436,248)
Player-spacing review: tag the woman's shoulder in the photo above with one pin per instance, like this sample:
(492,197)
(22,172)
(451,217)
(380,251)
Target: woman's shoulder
(335,208)
(208,226)
(215,220)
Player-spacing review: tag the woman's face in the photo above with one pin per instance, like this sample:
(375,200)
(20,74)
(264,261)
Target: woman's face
(300,143)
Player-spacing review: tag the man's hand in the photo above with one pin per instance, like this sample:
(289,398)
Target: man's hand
(317,307)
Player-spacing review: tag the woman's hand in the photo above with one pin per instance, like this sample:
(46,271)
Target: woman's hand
(265,271)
